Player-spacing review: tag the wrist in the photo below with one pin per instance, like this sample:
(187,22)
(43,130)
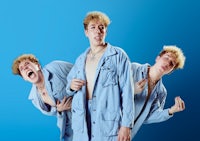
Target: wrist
(170,112)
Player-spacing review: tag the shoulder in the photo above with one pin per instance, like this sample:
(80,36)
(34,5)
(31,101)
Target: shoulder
(117,51)
(138,65)
(58,65)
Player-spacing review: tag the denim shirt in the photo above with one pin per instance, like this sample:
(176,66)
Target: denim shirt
(55,74)
(112,97)
(154,111)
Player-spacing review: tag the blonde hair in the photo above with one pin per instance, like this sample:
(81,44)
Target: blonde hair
(96,15)
(17,61)
(180,58)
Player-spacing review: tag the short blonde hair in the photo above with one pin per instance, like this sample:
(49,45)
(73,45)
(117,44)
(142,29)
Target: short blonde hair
(17,61)
(180,58)
(96,15)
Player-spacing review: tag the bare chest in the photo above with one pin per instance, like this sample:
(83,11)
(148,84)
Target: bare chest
(46,98)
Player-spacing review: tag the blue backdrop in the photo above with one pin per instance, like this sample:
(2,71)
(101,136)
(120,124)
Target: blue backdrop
(53,30)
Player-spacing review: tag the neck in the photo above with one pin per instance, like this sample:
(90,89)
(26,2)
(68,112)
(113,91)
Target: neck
(154,75)
(97,47)
(40,84)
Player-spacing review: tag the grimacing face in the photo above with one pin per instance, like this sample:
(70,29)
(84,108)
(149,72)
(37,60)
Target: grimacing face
(96,32)
(29,71)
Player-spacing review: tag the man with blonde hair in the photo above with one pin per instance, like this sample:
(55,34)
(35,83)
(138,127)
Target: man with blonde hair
(102,106)
(48,92)
(150,92)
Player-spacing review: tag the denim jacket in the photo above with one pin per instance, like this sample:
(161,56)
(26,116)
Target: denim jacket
(154,110)
(112,97)
(55,74)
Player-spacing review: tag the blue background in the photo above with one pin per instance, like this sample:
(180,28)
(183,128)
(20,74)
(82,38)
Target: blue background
(53,30)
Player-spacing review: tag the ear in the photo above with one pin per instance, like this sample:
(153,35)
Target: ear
(37,67)
(86,32)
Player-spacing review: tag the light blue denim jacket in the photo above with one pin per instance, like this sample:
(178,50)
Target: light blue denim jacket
(112,97)
(154,111)
(55,74)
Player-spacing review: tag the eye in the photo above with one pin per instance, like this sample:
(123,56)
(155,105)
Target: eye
(26,63)
(172,64)
(101,27)
(92,27)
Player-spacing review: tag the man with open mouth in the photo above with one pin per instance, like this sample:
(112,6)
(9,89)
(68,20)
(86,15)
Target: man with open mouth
(48,93)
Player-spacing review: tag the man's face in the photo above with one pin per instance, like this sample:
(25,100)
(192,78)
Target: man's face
(29,71)
(96,33)
(166,62)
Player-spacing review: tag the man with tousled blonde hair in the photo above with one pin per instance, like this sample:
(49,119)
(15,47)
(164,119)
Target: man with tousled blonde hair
(150,92)
(48,89)
(101,83)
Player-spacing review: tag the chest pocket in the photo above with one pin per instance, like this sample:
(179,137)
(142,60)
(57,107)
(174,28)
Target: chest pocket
(108,74)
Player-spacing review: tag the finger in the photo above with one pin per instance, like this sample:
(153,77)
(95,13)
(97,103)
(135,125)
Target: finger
(180,104)
(183,105)
(57,102)
(141,84)
(78,81)
(69,100)
(74,87)
(176,101)
(64,100)
(142,81)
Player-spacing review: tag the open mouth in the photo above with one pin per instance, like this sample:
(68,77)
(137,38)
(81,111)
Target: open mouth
(30,73)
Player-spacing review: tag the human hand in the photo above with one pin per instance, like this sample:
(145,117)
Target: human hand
(124,134)
(77,84)
(139,86)
(64,105)
(178,106)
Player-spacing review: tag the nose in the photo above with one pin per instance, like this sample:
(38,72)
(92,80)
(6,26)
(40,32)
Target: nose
(98,30)
(24,67)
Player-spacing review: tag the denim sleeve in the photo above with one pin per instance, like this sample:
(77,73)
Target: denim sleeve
(158,113)
(71,75)
(127,89)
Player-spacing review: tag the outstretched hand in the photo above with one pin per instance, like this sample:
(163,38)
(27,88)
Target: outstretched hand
(64,105)
(178,106)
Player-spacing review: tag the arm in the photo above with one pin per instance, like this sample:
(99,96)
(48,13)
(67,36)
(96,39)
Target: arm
(73,79)
(34,97)
(157,111)
(127,95)
(49,111)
